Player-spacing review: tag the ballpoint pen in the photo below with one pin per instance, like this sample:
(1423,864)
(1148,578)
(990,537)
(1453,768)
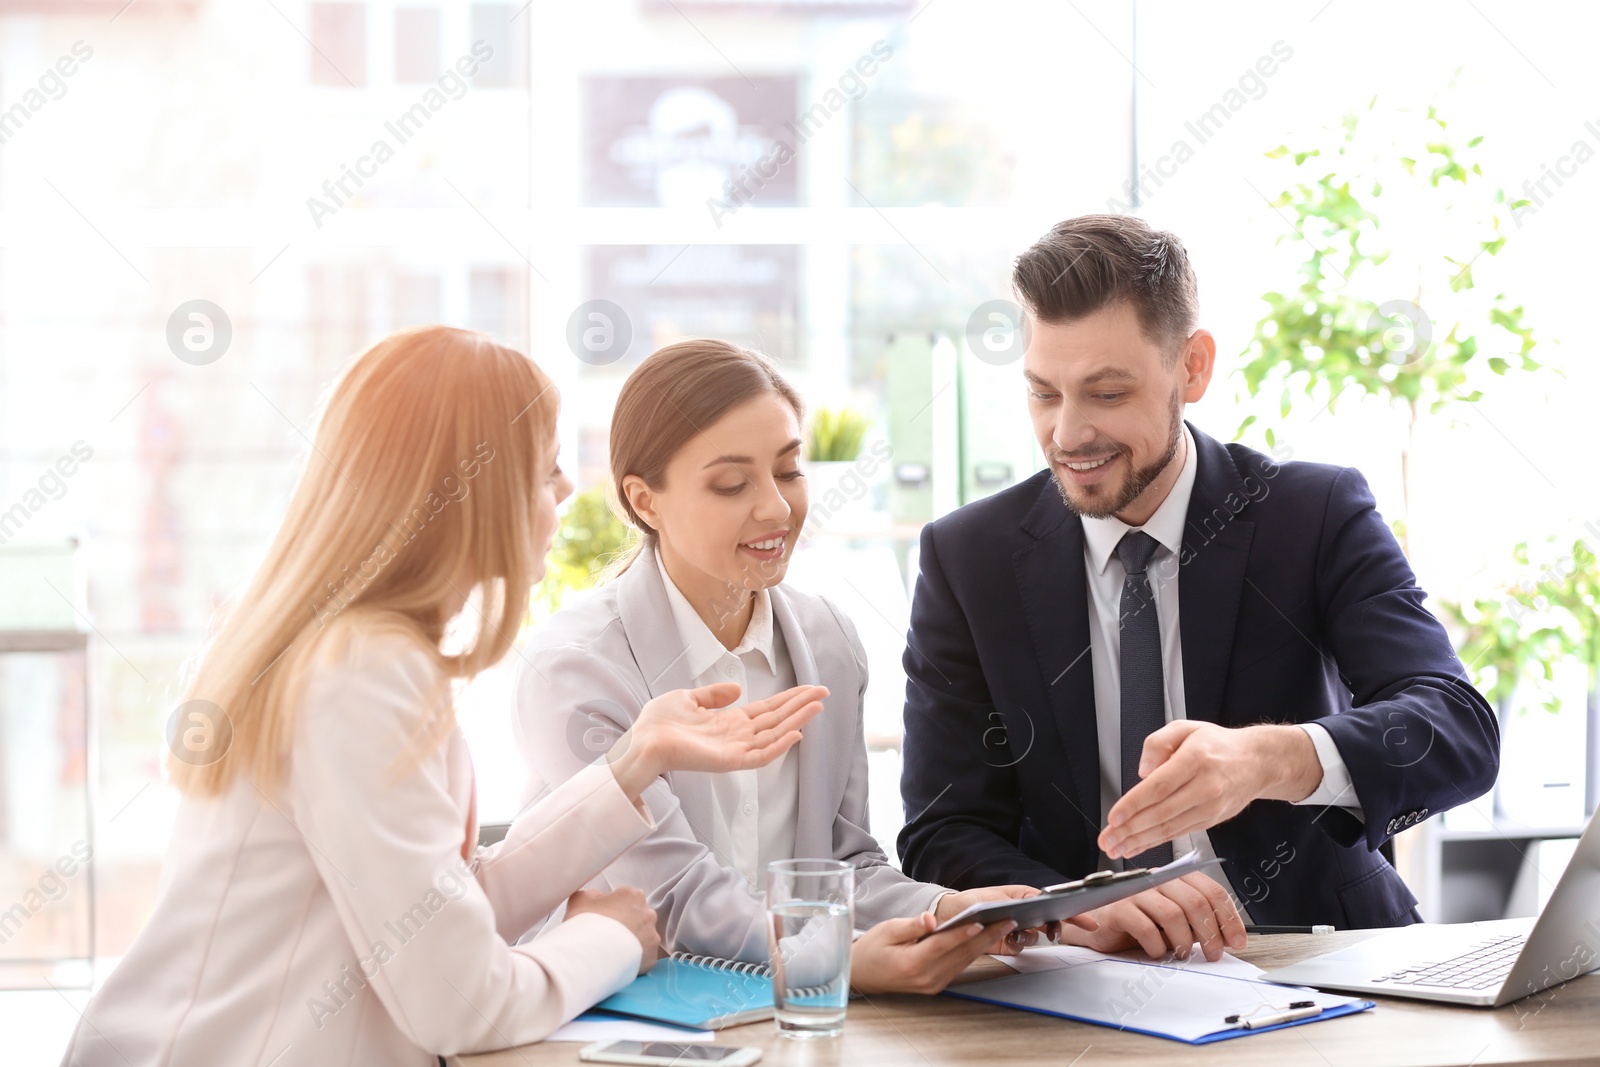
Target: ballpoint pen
(1298,1009)
(1281,1017)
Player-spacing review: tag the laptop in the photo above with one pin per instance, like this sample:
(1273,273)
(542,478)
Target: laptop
(1484,964)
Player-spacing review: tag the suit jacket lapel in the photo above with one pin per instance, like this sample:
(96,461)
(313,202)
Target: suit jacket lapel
(652,636)
(813,832)
(1055,601)
(646,617)
(1216,549)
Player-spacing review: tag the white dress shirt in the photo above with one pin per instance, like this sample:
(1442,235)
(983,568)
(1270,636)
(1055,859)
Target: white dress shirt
(1106,575)
(605,655)
(755,809)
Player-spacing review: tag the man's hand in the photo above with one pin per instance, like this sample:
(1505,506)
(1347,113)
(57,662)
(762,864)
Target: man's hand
(893,957)
(953,904)
(1198,774)
(1167,919)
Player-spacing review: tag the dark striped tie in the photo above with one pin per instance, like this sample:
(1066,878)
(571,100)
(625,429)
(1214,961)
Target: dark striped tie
(1143,693)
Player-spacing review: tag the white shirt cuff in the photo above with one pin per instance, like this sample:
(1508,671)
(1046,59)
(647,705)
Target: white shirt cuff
(1336,789)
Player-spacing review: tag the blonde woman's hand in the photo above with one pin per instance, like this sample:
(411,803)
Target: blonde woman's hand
(894,956)
(696,730)
(626,906)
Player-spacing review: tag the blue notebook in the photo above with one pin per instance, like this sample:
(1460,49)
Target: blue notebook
(1164,1000)
(700,992)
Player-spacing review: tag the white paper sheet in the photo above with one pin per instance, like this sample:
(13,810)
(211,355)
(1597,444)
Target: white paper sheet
(1184,1003)
(1054,957)
(592,1027)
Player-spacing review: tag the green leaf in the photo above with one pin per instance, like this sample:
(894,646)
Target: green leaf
(1277,153)
(836,434)
(1312,339)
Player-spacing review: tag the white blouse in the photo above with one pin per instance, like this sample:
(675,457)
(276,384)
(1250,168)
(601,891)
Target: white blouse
(755,809)
(335,921)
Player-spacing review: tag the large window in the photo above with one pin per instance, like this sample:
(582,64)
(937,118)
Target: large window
(840,185)
(417,44)
(339,44)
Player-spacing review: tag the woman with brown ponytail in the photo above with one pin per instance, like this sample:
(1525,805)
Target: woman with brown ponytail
(706,467)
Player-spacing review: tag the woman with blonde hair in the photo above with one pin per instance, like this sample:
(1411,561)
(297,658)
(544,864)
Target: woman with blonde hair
(705,466)
(323,899)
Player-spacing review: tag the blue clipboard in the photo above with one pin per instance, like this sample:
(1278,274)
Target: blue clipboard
(1172,1002)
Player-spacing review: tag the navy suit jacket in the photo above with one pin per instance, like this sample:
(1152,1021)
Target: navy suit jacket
(1295,605)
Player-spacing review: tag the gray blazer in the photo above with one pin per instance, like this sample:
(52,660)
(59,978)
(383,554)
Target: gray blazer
(588,671)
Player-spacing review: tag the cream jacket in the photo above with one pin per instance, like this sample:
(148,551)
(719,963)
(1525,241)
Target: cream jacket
(335,921)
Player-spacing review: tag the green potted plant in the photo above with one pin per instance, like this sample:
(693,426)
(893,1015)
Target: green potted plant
(1515,644)
(840,492)
(1402,325)
(588,537)
(836,435)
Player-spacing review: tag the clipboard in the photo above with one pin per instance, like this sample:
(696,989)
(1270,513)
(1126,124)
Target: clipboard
(1166,1000)
(1074,898)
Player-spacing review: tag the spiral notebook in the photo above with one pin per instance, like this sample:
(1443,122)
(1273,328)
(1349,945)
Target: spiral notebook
(701,992)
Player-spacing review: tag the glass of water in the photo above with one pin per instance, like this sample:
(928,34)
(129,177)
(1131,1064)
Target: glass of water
(811,904)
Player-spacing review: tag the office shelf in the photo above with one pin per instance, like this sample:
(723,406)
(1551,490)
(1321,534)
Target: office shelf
(1490,872)
(1511,831)
(46,785)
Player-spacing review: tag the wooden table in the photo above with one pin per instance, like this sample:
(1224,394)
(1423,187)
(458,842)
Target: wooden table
(1562,1025)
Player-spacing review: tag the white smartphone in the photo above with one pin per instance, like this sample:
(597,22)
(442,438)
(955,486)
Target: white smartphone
(667,1053)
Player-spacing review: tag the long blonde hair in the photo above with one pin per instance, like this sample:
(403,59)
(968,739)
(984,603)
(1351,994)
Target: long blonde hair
(422,484)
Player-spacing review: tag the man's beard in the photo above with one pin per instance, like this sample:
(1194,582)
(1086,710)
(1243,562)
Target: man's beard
(1135,484)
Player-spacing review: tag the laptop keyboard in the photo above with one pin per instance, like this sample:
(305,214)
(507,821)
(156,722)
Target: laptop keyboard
(1484,966)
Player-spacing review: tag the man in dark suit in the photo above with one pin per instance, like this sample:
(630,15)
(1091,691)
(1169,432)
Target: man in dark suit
(1163,642)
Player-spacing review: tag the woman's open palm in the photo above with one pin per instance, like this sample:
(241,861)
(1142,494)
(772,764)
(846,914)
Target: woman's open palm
(696,730)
